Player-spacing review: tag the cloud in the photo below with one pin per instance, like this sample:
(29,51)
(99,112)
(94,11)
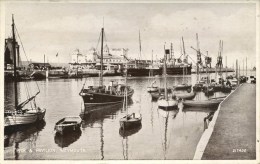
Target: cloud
(48,28)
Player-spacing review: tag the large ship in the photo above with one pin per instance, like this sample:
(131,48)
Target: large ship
(178,66)
(143,67)
(175,66)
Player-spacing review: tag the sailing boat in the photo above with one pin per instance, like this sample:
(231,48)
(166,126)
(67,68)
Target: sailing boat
(152,88)
(21,115)
(226,88)
(166,102)
(183,86)
(208,89)
(130,120)
(104,95)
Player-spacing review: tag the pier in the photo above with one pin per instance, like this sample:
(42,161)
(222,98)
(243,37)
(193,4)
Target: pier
(233,128)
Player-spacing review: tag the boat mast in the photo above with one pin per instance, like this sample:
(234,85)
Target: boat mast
(198,56)
(171,52)
(164,73)
(140,47)
(184,57)
(101,59)
(246,66)
(14,55)
(125,92)
(226,66)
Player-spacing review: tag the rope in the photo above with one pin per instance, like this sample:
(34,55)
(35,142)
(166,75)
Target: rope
(25,56)
(98,40)
(21,44)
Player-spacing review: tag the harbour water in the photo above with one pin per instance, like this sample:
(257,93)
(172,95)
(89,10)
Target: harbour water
(163,135)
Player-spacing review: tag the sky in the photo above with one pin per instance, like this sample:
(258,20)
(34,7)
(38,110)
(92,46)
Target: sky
(51,28)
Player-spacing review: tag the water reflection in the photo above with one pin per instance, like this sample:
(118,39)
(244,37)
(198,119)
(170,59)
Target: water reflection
(19,134)
(65,140)
(125,133)
(22,133)
(108,111)
(208,119)
(166,116)
(98,116)
(171,132)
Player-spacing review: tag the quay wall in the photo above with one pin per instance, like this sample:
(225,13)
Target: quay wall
(232,132)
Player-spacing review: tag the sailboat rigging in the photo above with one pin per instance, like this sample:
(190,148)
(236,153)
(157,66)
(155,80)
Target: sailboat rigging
(104,95)
(152,88)
(21,115)
(166,102)
(129,121)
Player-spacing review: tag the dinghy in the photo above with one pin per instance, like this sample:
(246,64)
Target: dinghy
(130,121)
(68,124)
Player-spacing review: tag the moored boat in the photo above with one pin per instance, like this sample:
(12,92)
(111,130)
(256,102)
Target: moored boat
(68,124)
(203,103)
(186,96)
(130,121)
(182,87)
(21,115)
(198,87)
(152,89)
(166,102)
(104,95)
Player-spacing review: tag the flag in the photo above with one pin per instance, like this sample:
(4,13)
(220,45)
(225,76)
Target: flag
(57,55)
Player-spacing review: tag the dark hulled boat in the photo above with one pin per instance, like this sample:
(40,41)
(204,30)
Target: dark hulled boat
(178,69)
(104,95)
(139,71)
(100,96)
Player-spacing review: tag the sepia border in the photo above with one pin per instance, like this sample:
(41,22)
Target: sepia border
(257,57)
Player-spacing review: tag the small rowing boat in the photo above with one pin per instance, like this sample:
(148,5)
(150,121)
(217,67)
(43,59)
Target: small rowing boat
(130,121)
(68,124)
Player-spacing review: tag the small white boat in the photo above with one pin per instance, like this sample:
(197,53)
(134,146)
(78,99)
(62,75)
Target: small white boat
(68,124)
(167,104)
(152,89)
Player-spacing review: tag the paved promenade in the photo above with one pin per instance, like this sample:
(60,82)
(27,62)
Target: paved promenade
(234,134)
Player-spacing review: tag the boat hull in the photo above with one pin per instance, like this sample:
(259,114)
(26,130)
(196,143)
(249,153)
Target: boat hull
(152,89)
(131,123)
(99,99)
(67,129)
(68,124)
(186,96)
(167,104)
(182,87)
(143,72)
(178,70)
(202,103)
(24,119)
